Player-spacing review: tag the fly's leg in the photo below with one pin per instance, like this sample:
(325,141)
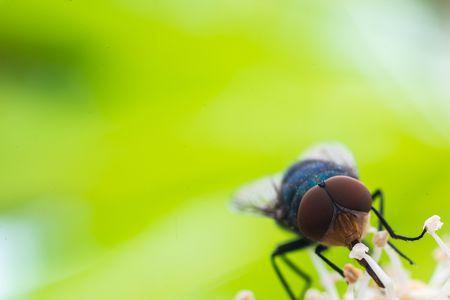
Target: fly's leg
(363,262)
(401,254)
(386,225)
(281,252)
(378,194)
(319,249)
(391,231)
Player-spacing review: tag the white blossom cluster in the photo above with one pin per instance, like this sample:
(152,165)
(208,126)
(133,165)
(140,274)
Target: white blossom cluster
(398,283)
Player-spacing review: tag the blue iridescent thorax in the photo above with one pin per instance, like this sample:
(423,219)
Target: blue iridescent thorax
(298,179)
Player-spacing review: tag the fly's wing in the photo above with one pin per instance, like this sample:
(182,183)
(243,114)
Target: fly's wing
(334,152)
(258,197)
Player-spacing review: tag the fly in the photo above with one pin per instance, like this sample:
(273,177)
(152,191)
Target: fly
(321,199)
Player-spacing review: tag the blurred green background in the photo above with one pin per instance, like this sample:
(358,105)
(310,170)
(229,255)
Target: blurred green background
(125,125)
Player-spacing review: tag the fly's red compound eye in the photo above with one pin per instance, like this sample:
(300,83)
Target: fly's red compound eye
(349,193)
(315,213)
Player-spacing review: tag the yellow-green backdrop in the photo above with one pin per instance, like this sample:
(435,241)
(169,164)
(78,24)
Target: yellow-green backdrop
(125,125)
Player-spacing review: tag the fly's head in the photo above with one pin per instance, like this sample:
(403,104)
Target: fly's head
(335,212)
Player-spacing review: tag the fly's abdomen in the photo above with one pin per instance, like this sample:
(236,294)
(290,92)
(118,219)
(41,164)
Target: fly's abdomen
(298,179)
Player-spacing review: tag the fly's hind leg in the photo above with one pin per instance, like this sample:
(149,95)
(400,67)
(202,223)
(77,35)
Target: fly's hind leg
(378,194)
(281,252)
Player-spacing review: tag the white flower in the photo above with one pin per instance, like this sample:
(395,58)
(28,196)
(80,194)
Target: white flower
(396,279)
(380,238)
(358,251)
(313,294)
(245,295)
(433,223)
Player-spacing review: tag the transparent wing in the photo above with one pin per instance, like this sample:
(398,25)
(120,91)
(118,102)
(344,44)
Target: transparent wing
(334,152)
(258,197)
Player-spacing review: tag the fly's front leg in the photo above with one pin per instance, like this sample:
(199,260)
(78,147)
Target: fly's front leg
(378,194)
(386,225)
(321,248)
